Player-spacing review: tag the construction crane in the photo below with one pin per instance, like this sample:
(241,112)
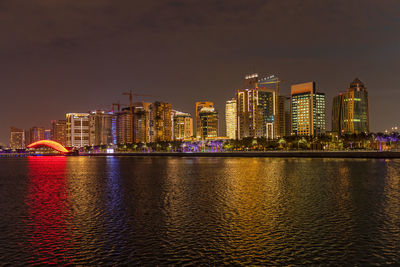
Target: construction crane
(271,80)
(130,94)
(118,105)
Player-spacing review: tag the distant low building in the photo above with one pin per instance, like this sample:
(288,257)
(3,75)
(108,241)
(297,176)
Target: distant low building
(17,138)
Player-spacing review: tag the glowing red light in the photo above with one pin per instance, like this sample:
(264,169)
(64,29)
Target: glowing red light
(52,144)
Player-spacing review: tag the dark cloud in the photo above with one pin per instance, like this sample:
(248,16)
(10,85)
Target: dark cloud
(83,54)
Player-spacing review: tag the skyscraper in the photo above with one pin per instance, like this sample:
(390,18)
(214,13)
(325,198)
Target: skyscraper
(199,106)
(59,131)
(258,107)
(77,129)
(284,116)
(36,134)
(141,122)
(183,125)
(17,138)
(101,127)
(208,123)
(231,118)
(350,111)
(47,134)
(124,127)
(160,122)
(308,110)
(337,114)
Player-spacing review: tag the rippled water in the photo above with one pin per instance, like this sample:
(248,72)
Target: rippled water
(158,211)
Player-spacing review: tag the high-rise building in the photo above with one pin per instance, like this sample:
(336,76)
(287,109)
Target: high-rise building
(17,138)
(77,129)
(350,111)
(284,116)
(27,137)
(124,127)
(182,125)
(101,124)
(208,123)
(36,134)
(231,118)
(308,110)
(199,106)
(59,131)
(141,122)
(160,122)
(258,107)
(336,114)
(47,134)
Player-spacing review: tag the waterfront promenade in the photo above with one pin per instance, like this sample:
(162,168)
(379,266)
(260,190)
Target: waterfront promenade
(276,154)
(268,154)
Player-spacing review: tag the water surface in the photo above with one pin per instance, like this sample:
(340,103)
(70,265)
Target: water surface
(166,210)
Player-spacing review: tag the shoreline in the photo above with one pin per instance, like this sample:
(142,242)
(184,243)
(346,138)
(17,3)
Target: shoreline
(277,154)
(261,154)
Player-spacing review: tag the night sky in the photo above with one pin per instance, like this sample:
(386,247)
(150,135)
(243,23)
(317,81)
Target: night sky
(60,56)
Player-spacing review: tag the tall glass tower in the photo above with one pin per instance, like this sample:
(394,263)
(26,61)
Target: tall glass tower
(350,112)
(308,109)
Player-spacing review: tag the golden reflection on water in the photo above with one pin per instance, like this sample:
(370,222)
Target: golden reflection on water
(85,198)
(228,210)
(391,207)
(253,192)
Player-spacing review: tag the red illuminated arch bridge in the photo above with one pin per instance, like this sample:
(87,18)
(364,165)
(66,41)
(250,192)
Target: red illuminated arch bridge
(52,144)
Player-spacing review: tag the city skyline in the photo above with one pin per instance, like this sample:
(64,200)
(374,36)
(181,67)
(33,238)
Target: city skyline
(190,52)
(269,116)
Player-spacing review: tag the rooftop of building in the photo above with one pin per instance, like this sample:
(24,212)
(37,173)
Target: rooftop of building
(207,110)
(358,85)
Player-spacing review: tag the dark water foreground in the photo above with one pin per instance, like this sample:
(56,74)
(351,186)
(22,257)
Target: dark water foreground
(170,210)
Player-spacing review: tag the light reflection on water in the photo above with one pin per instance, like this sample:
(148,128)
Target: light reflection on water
(160,210)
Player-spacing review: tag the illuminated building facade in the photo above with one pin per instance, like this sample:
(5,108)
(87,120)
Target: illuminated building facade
(350,111)
(182,125)
(101,127)
(77,129)
(258,108)
(199,106)
(307,109)
(59,131)
(17,138)
(36,134)
(336,114)
(124,127)
(160,122)
(141,122)
(208,123)
(285,116)
(47,134)
(231,118)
